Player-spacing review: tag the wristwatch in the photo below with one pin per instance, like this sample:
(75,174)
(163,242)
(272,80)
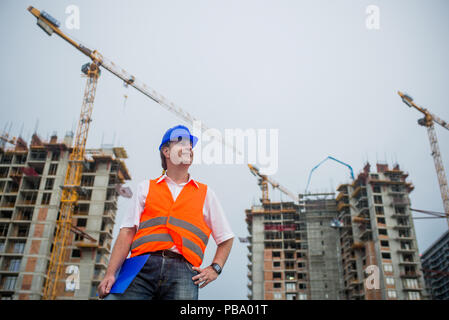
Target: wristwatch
(216,267)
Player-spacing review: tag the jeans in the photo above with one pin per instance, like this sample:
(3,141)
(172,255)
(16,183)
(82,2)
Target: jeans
(161,278)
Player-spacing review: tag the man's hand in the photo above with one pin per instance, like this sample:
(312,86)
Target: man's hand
(105,286)
(119,252)
(206,276)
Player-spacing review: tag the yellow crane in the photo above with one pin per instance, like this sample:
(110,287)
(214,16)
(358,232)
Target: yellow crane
(70,190)
(263,182)
(72,180)
(427,121)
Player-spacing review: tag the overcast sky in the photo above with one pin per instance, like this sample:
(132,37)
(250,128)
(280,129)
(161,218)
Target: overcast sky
(311,69)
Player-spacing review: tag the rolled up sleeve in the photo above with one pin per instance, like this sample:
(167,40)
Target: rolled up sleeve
(132,216)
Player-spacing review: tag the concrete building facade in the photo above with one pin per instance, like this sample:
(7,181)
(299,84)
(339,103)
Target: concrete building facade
(293,251)
(380,256)
(435,263)
(324,261)
(30,190)
(360,245)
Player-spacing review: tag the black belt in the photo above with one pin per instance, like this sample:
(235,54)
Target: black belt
(167,253)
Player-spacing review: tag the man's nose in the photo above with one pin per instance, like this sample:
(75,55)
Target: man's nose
(187,148)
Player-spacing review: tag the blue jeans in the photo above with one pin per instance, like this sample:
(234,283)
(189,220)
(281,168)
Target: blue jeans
(161,278)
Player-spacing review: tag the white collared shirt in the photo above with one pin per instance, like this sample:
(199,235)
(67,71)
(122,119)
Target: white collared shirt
(212,210)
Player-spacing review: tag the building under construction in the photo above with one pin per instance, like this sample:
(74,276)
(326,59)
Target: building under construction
(30,191)
(435,262)
(379,250)
(294,250)
(360,245)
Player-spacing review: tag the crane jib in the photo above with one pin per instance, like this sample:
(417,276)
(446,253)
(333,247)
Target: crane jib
(85,50)
(50,19)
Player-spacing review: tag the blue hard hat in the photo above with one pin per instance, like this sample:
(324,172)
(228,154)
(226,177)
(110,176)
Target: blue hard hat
(174,133)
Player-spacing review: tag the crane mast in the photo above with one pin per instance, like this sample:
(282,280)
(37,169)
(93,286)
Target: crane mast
(441,174)
(71,186)
(428,122)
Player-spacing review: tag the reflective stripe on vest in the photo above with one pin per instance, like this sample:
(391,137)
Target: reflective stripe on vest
(160,221)
(153,222)
(192,246)
(190,227)
(165,237)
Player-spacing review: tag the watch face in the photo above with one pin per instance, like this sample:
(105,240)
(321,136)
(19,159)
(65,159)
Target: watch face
(216,268)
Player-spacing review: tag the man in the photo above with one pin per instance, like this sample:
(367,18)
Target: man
(171,220)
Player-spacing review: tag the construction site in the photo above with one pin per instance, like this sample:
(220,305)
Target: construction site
(59,206)
(320,248)
(31,177)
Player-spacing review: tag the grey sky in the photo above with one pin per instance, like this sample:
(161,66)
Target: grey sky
(308,68)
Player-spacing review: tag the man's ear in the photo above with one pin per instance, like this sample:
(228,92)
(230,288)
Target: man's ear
(166,152)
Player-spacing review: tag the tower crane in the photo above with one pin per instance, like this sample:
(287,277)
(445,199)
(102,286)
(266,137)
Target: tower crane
(263,182)
(71,187)
(72,180)
(427,121)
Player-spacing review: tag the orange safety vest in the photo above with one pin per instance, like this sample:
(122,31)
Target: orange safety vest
(165,222)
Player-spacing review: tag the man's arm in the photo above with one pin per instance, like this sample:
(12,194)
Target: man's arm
(222,253)
(119,253)
(208,274)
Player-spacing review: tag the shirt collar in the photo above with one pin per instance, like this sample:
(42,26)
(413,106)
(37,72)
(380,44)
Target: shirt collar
(164,176)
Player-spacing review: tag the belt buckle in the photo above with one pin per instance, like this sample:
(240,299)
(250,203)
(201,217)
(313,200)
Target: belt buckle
(163,253)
